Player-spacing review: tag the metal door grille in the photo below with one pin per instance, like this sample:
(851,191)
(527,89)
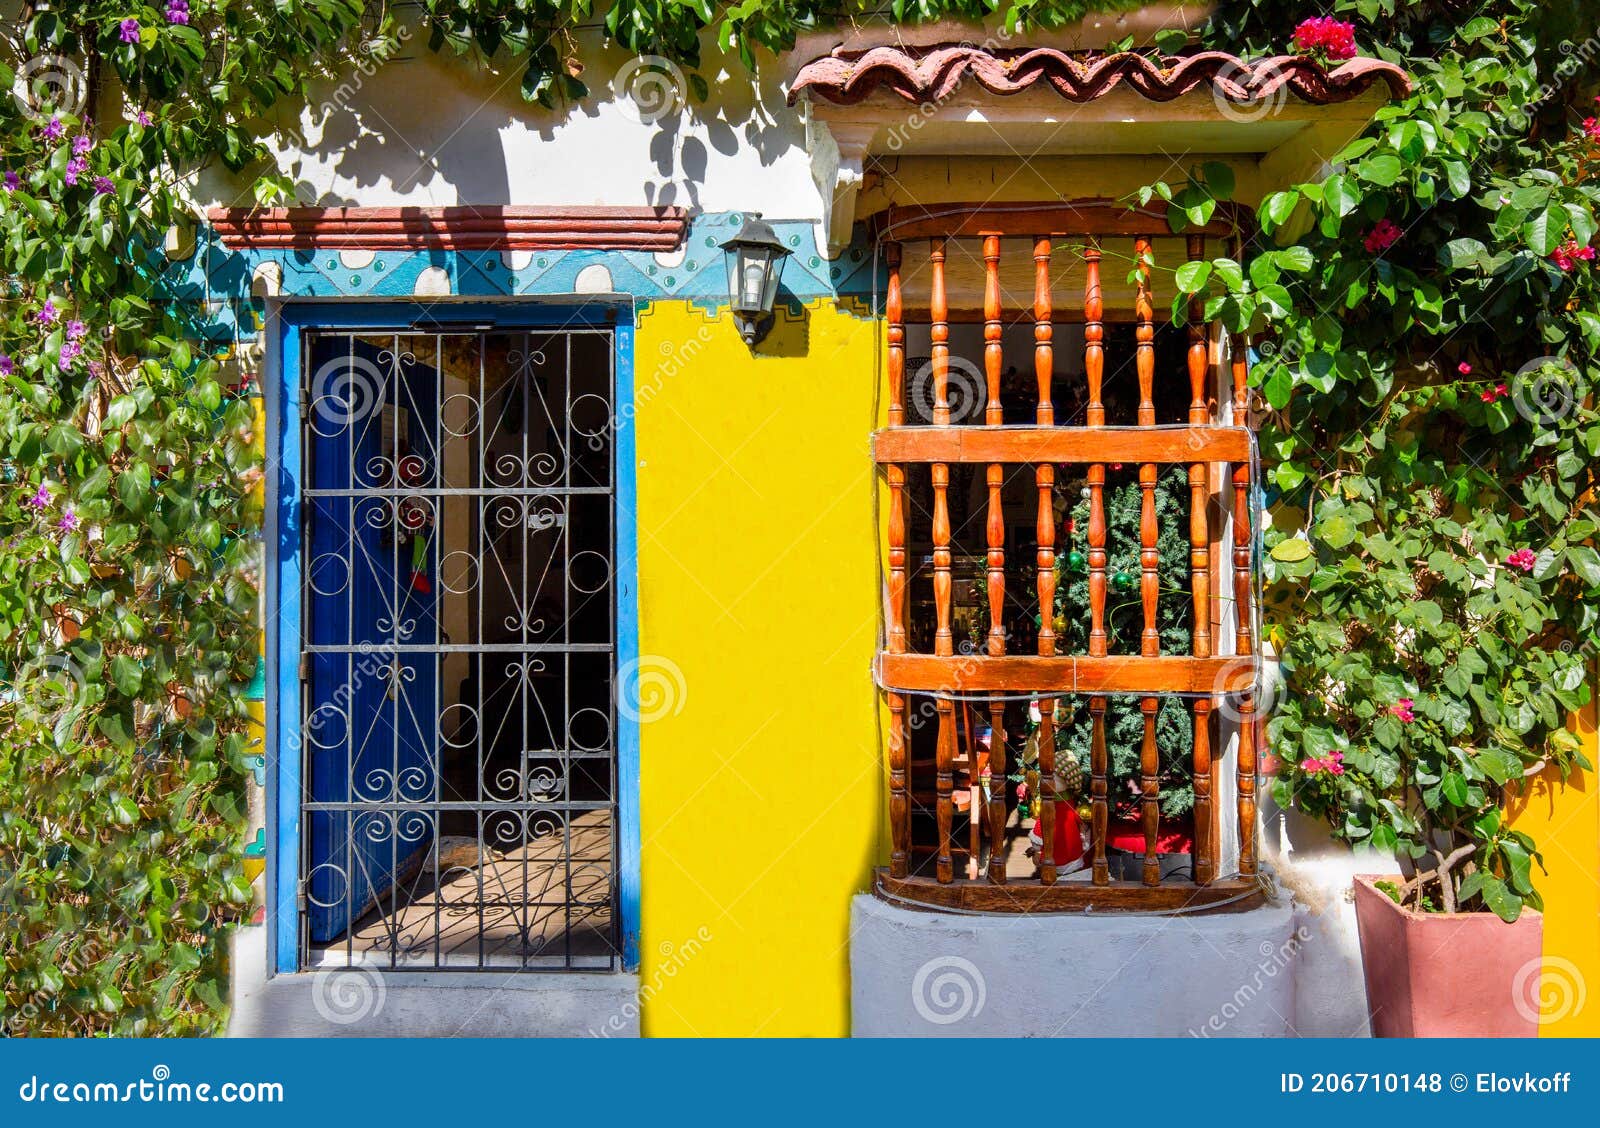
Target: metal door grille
(460,640)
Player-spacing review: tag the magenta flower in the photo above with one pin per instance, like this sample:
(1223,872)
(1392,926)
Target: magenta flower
(69,353)
(144,118)
(178,11)
(1403,709)
(129,30)
(7,365)
(40,499)
(81,145)
(53,130)
(103,186)
(69,521)
(47,313)
(1383,235)
(1522,558)
(1464,368)
(76,330)
(1334,38)
(1331,764)
(13,181)
(76,167)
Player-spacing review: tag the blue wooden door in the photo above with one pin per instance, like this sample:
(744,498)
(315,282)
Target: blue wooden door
(371,679)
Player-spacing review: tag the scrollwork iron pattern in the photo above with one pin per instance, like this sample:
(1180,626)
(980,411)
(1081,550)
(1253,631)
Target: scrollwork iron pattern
(458,731)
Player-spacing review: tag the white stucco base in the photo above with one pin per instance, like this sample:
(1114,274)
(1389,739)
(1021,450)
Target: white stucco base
(365,1003)
(932,974)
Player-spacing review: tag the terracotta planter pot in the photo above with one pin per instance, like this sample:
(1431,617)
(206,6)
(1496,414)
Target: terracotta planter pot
(1435,976)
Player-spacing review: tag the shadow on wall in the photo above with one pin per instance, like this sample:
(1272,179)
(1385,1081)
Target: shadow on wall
(639,137)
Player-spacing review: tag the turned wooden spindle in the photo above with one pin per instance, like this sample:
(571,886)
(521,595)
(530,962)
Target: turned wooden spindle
(899,795)
(943,639)
(1244,641)
(1149,562)
(1095,416)
(994,416)
(1045,480)
(1200,579)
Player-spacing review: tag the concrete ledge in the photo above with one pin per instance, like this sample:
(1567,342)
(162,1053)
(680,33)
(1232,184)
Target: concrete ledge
(933,974)
(360,1002)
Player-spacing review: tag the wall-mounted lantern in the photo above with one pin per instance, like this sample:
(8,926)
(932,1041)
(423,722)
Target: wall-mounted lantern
(755,261)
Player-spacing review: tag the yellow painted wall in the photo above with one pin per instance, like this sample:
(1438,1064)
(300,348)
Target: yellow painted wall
(1564,819)
(760,795)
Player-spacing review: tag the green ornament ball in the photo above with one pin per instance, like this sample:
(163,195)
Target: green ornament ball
(1123,581)
(1076,561)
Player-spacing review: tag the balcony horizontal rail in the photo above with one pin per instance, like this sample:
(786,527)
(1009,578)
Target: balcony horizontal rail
(1082,445)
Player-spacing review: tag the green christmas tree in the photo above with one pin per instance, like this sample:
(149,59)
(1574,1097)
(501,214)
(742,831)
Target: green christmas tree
(1124,624)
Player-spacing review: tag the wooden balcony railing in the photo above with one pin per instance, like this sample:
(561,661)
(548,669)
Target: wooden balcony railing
(961,691)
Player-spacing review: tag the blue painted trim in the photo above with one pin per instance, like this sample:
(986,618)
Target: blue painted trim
(627,574)
(283,602)
(284,681)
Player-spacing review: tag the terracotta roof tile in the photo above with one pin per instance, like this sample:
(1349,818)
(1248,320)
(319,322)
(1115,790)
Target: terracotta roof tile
(931,74)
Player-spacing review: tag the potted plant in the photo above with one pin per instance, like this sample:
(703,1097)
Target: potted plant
(1445,641)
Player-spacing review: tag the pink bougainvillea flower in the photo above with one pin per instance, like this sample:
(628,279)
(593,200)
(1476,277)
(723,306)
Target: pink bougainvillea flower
(1332,37)
(1522,558)
(1591,128)
(1464,368)
(53,129)
(1569,255)
(41,498)
(1331,764)
(103,186)
(129,30)
(1383,235)
(47,313)
(13,181)
(1489,395)
(1404,709)
(69,521)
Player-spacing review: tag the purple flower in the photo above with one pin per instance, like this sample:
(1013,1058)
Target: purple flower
(69,521)
(40,499)
(178,11)
(103,186)
(7,365)
(81,145)
(47,313)
(144,117)
(13,181)
(54,130)
(69,353)
(76,330)
(76,167)
(130,31)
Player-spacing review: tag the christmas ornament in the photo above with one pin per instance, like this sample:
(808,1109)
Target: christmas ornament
(1076,561)
(1123,581)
